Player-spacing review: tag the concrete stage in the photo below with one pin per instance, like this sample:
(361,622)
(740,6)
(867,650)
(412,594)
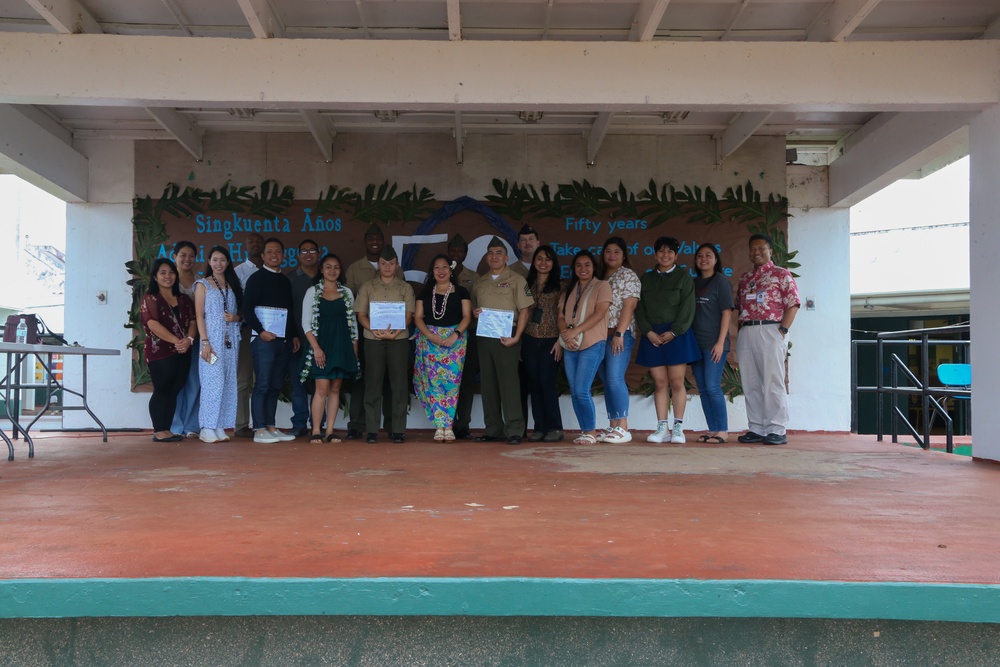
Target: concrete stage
(831,526)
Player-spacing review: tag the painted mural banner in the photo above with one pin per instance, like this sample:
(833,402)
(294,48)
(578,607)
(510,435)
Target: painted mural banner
(569,217)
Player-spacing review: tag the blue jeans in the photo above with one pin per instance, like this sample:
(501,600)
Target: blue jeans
(581,368)
(270,365)
(186,412)
(300,397)
(612,372)
(708,376)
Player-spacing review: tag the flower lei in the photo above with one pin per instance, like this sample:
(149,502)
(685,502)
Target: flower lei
(352,323)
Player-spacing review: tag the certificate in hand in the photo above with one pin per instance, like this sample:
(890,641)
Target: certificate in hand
(387,315)
(272,319)
(495,323)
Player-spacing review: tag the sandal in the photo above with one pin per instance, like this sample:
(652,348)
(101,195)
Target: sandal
(704,438)
(449,435)
(330,437)
(439,435)
(315,437)
(715,439)
(585,439)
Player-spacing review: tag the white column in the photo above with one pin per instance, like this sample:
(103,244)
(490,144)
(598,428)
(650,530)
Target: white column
(819,368)
(98,242)
(984,247)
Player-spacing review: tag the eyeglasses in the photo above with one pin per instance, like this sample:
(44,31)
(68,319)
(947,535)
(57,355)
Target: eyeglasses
(308,252)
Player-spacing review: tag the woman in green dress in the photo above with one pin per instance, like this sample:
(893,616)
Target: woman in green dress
(332,331)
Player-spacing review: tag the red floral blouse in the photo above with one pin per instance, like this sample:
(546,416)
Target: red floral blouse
(155,307)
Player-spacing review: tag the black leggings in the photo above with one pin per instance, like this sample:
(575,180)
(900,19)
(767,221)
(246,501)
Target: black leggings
(169,376)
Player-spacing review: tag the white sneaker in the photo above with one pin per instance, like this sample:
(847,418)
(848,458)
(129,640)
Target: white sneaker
(220,433)
(264,436)
(208,435)
(661,434)
(282,436)
(677,437)
(618,436)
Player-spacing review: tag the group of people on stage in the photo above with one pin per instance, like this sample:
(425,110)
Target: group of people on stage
(231,338)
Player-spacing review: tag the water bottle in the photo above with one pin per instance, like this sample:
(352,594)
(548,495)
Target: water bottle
(21,333)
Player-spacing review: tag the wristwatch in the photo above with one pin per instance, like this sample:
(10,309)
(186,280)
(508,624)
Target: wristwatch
(783,330)
(618,334)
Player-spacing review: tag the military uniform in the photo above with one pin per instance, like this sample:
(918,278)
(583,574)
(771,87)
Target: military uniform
(499,364)
(359,273)
(386,357)
(362,271)
(467,390)
(520,269)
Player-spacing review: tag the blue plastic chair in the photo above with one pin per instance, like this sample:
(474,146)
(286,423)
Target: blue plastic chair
(955,375)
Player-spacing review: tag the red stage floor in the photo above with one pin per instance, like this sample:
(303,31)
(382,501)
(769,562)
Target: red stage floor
(824,508)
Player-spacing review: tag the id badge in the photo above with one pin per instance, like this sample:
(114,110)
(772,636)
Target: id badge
(760,297)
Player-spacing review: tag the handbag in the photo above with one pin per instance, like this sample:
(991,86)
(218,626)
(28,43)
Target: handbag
(10,328)
(581,316)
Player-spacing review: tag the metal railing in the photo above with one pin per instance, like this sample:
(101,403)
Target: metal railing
(932,398)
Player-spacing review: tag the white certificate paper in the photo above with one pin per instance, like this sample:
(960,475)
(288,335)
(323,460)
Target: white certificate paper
(272,319)
(495,323)
(387,315)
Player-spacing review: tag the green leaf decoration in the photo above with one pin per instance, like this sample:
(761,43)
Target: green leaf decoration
(512,201)
(336,200)
(416,205)
(585,197)
(732,383)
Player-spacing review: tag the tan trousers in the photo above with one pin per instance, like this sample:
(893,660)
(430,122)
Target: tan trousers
(761,352)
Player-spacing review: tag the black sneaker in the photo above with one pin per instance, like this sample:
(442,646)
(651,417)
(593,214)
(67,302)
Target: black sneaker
(775,439)
(750,437)
(537,436)
(302,432)
(398,438)
(372,438)
(353,434)
(514,440)
(463,434)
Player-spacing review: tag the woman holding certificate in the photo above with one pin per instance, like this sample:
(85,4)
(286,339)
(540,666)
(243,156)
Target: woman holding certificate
(444,312)
(332,333)
(385,308)
(583,332)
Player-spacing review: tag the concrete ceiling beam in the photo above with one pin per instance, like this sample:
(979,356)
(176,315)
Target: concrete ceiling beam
(181,128)
(66,16)
(892,146)
(741,129)
(454,20)
(647,19)
(261,18)
(840,20)
(597,133)
(472,75)
(321,130)
(30,151)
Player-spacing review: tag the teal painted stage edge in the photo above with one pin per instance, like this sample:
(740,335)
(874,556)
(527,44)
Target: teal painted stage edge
(674,598)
